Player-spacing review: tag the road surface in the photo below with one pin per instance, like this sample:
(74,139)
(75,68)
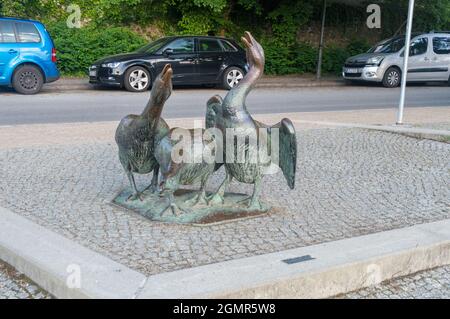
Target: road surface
(52,106)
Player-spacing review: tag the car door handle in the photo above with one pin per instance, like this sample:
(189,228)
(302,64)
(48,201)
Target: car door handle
(426,59)
(188,61)
(12,51)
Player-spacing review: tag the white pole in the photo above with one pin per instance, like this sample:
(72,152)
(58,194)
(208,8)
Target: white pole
(401,104)
(322,30)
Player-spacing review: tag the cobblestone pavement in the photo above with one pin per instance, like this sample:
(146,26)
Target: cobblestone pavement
(14,285)
(435,126)
(350,182)
(430,284)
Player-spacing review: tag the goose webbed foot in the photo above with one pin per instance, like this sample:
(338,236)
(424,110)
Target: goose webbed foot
(198,199)
(216,199)
(176,211)
(153,188)
(245,201)
(251,203)
(136,196)
(255,204)
(173,208)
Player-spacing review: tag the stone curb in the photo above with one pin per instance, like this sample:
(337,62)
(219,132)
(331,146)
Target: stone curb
(416,132)
(52,261)
(79,84)
(333,268)
(323,270)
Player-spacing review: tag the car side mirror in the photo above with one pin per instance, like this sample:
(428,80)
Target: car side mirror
(168,51)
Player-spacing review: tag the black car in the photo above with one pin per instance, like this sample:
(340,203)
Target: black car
(194,59)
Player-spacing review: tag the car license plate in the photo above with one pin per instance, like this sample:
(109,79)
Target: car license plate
(352,70)
(93,73)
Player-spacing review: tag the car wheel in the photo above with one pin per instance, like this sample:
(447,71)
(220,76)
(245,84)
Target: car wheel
(231,77)
(28,79)
(391,78)
(137,79)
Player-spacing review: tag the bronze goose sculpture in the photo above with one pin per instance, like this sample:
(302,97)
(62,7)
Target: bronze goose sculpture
(234,115)
(194,167)
(137,135)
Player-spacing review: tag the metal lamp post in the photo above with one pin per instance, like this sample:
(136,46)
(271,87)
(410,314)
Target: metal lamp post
(322,30)
(401,104)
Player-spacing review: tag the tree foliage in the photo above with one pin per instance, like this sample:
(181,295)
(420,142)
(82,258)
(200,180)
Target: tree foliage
(280,24)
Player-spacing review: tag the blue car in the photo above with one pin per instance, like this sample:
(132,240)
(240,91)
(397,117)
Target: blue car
(27,55)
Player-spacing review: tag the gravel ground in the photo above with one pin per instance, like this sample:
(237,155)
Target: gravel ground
(14,285)
(430,284)
(350,182)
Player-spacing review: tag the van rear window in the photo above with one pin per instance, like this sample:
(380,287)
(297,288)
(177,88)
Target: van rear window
(441,45)
(27,32)
(7,32)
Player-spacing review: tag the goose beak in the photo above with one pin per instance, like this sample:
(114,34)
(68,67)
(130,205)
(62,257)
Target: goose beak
(166,74)
(248,39)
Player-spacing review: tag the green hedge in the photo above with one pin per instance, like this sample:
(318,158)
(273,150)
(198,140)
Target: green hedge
(302,57)
(78,48)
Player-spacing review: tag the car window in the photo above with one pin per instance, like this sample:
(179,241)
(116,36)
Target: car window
(154,46)
(389,46)
(27,32)
(209,45)
(441,45)
(7,32)
(228,46)
(418,47)
(183,45)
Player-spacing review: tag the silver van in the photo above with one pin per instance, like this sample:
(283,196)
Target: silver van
(429,60)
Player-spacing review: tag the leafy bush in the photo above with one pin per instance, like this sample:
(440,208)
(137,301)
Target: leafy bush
(306,57)
(302,57)
(333,59)
(279,58)
(78,48)
(358,46)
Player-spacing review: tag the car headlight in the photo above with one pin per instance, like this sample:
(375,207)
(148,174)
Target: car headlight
(376,60)
(111,65)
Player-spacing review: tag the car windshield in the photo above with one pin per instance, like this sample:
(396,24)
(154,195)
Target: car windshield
(388,46)
(153,46)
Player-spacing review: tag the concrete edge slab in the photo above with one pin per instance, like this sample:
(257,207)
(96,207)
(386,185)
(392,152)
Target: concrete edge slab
(52,261)
(337,267)
(60,266)
(406,130)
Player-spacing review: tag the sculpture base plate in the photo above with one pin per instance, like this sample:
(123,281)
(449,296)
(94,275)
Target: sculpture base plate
(157,208)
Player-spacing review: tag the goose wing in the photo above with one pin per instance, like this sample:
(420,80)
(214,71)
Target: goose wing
(287,150)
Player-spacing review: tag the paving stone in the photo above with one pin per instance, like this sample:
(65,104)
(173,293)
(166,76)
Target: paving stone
(430,284)
(350,182)
(14,285)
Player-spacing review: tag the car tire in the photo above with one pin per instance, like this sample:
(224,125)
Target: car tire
(137,79)
(231,77)
(27,79)
(392,77)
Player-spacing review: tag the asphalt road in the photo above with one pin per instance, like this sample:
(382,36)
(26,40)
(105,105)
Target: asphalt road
(109,105)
